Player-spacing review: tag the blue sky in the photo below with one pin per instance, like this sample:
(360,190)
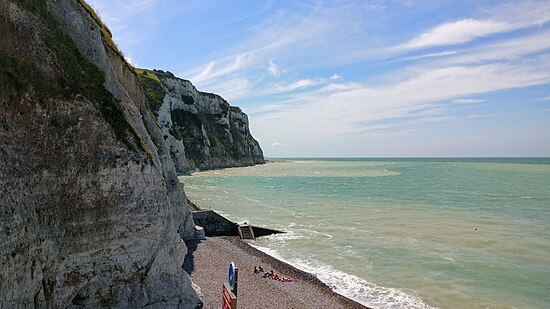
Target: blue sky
(359,78)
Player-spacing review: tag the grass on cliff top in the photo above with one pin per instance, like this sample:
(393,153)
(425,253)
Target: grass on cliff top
(153,90)
(147,74)
(20,74)
(160,73)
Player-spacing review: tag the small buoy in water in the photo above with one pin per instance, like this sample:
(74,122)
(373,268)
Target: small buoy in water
(475,228)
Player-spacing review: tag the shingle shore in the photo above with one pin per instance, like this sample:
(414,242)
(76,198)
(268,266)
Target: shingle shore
(207,262)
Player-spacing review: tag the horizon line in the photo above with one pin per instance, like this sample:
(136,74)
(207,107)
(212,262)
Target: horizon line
(410,157)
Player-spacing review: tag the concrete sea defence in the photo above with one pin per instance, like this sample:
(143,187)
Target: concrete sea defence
(215,224)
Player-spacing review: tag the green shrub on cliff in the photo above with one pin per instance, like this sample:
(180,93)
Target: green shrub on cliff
(16,77)
(152,88)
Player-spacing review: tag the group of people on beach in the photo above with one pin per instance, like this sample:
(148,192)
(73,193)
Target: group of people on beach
(271,275)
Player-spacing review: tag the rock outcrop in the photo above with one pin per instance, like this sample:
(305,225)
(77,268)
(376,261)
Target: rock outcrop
(91,211)
(201,129)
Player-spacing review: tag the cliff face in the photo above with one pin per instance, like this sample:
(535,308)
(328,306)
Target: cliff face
(91,211)
(201,129)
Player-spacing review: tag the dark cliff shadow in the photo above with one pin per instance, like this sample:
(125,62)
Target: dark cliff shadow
(189,260)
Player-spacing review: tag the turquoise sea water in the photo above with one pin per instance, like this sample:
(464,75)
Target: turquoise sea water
(394,233)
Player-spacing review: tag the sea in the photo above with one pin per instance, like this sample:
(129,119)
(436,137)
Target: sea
(400,233)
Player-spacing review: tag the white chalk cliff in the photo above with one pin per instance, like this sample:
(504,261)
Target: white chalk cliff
(91,211)
(201,129)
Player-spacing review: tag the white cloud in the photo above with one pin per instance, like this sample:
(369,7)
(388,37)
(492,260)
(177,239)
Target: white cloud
(235,88)
(266,108)
(220,68)
(457,32)
(375,7)
(205,71)
(285,87)
(130,60)
(509,16)
(341,87)
(304,107)
(303,83)
(273,69)
(331,112)
(523,13)
(510,49)
(546,98)
(468,101)
(286,35)
(433,55)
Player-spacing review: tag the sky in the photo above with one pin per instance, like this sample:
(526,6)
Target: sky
(371,78)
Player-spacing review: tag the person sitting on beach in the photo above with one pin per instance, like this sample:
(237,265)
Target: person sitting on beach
(260,269)
(265,275)
(255,270)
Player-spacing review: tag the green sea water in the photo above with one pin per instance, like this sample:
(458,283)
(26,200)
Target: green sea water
(401,233)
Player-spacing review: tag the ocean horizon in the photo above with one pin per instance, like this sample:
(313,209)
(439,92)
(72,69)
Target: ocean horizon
(400,232)
(541,159)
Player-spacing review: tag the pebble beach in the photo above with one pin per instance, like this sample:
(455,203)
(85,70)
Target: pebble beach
(207,263)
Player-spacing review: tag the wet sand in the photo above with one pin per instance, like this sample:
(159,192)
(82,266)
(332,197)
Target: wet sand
(207,262)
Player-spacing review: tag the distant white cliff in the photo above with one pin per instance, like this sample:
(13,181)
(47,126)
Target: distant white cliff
(201,129)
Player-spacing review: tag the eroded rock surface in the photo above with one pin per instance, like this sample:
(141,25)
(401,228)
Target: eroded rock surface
(91,211)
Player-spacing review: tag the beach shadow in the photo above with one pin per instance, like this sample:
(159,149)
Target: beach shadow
(189,260)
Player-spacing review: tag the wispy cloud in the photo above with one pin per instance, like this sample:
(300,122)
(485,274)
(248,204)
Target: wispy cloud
(355,108)
(220,68)
(523,13)
(287,67)
(130,60)
(291,37)
(507,17)
(508,49)
(468,101)
(273,69)
(302,83)
(434,55)
(457,32)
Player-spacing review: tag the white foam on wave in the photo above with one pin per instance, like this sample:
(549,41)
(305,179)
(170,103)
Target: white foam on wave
(448,258)
(281,238)
(353,287)
(296,233)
